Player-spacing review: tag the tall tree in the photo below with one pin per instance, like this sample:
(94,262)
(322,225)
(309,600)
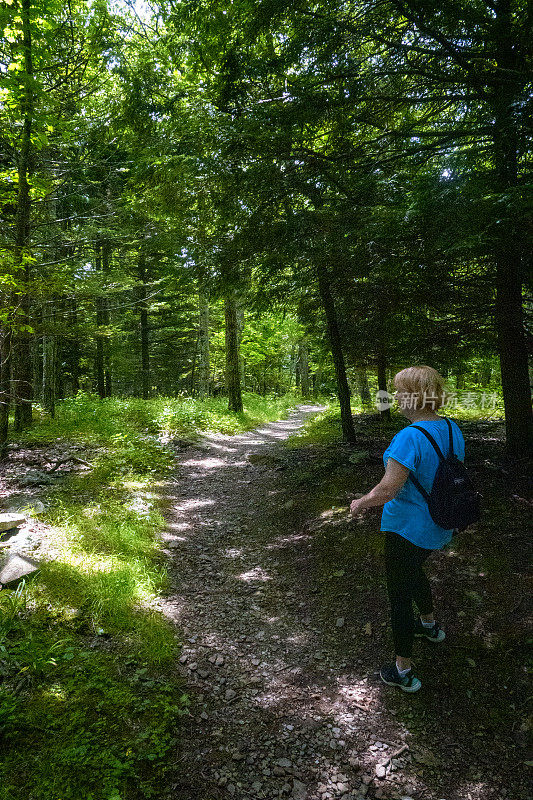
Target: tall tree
(233,382)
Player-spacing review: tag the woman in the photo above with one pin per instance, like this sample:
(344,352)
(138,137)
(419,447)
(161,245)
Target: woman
(410,533)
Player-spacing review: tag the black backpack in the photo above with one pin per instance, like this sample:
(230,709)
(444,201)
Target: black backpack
(453,502)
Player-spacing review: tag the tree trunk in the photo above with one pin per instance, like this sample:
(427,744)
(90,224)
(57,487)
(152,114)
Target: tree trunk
(292,368)
(382,378)
(317,377)
(240,329)
(343,390)
(49,374)
(508,251)
(102,362)
(106,255)
(486,374)
(22,365)
(99,359)
(233,384)
(303,360)
(5,387)
(75,350)
(37,361)
(143,323)
(362,385)
(203,343)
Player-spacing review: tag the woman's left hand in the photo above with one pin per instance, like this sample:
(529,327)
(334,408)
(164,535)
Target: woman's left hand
(356,507)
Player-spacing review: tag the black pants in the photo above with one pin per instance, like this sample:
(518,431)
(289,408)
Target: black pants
(406,581)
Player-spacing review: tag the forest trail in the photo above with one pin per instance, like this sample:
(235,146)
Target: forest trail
(285,696)
(272,715)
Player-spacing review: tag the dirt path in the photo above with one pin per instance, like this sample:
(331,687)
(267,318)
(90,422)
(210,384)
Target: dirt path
(278,710)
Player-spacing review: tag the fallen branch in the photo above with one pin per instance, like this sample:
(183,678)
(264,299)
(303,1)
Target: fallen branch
(75,459)
(403,749)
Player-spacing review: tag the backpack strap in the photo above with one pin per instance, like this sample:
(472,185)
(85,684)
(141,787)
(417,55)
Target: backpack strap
(419,486)
(438,451)
(432,440)
(450,432)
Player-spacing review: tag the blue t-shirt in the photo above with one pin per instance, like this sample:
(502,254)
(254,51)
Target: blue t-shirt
(408,513)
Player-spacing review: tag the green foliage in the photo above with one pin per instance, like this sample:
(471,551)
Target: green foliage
(319,429)
(89,703)
(134,429)
(78,722)
(325,428)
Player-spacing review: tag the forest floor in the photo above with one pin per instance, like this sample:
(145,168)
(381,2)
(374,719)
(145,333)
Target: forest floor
(281,602)
(232,649)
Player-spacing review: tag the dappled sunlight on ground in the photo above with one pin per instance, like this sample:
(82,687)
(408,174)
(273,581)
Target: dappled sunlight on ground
(286,699)
(255,574)
(191,505)
(206,463)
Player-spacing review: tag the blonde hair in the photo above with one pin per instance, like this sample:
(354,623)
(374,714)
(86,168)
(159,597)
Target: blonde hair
(424,384)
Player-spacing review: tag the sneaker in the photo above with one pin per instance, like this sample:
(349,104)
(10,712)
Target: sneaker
(434,634)
(389,675)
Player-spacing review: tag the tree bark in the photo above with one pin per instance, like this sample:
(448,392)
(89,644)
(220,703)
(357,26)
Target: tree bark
(203,343)
(99,360)
(37,365)
(233,384)
(102,361)
(49,374)
(317,377)
(362,385)
(106,255)
(75,350)
(22,364)
(382,377)
(5,387)
(343,390)
(143,323)
(240,329)
(303,360)
(509,254)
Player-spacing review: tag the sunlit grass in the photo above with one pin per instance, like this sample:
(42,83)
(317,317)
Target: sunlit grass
(320,428)
(89,699)
(325,428)
(87,419)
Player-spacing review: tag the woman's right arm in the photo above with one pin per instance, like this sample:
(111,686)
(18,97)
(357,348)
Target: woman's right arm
(387,489)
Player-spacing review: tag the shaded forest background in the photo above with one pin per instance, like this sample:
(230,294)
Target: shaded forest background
(211,207)
(209,197)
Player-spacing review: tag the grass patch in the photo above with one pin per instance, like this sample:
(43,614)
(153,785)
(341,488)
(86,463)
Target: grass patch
(90,705)
(87,419)
(325,428)
(78,722)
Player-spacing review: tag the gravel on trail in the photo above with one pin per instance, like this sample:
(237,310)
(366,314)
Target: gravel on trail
(273,713)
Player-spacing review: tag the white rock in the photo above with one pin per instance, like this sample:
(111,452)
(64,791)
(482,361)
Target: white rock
(17,567)
(8,521)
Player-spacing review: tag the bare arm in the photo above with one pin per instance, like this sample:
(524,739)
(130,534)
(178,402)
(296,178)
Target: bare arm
(388,487)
